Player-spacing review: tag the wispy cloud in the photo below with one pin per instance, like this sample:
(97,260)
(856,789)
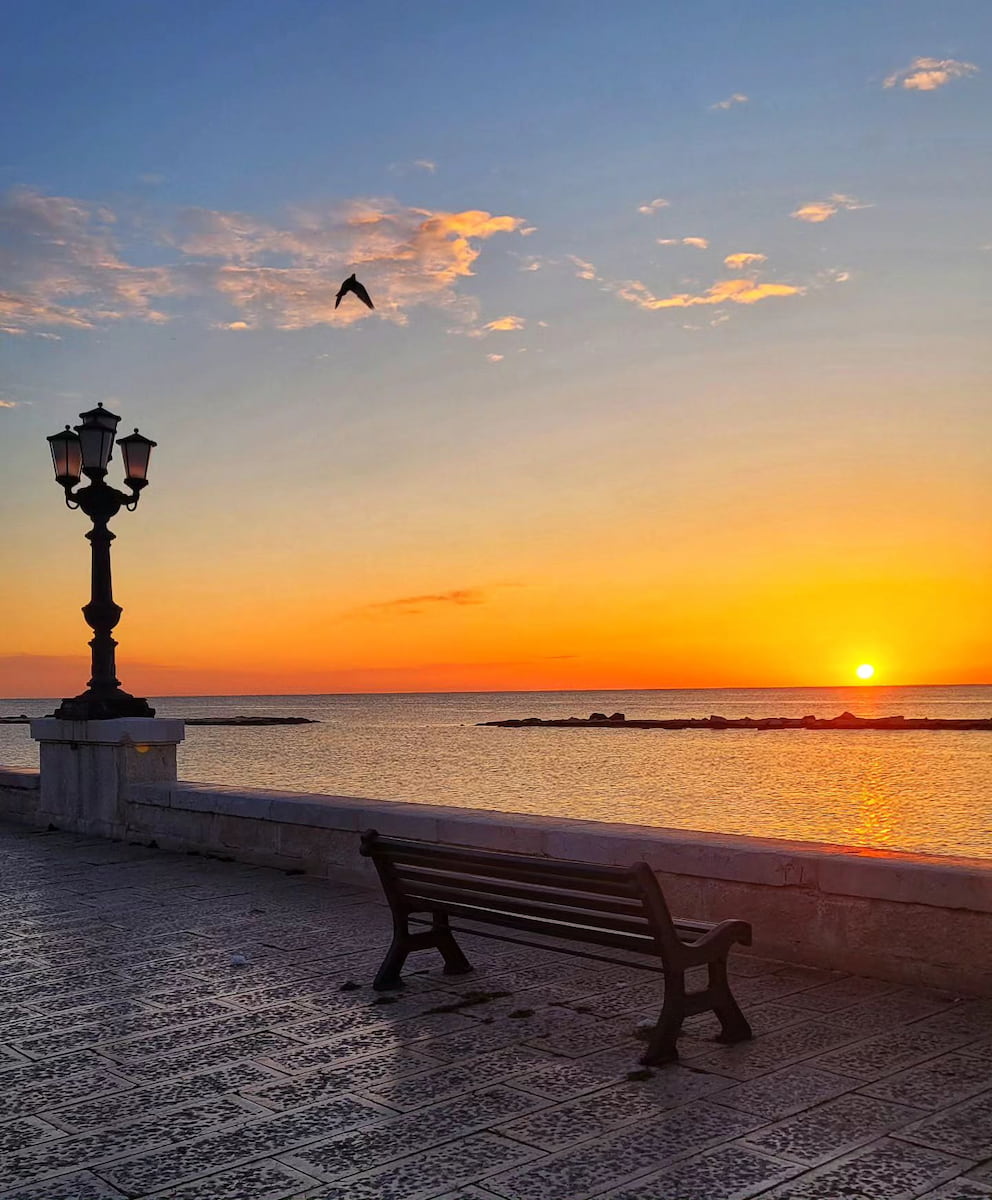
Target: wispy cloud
(928,74)
(653,206)
(583,269)
(9,403)
(65,264)
(743,260)
(507,324)
(414,605)
(425,164)
(495,358)
(699,243)
(822,210)
(736,98)
(724,291)
(62,267)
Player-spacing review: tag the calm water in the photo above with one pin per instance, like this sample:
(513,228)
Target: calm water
(919,790)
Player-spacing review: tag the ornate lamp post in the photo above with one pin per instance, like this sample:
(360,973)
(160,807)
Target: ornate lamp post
(87,450)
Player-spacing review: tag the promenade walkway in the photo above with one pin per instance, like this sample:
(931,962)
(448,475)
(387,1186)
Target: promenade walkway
(138,1060)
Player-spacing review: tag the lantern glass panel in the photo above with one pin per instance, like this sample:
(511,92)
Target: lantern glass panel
(66,457)
(95,444)
(136,450)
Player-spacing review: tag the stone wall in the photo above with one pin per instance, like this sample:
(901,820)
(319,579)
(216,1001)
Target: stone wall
(20,788)
(924,920)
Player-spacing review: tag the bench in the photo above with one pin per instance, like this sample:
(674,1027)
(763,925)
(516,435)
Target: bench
(618,907)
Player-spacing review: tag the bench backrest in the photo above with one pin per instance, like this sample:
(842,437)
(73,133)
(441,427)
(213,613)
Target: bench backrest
(620,907)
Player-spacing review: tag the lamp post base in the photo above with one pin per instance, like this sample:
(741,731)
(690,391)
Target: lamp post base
(109,707)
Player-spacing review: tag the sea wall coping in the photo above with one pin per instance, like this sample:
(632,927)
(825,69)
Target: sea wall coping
(932,880)
(138,731)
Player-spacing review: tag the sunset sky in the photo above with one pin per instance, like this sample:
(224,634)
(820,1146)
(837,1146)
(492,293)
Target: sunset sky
(679,373)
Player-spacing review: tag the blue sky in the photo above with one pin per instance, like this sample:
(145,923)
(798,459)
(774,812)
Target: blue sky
(550,202)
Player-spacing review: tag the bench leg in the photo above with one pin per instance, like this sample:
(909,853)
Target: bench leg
(455,962)
(733,1024)
(663,1043)
(388,976)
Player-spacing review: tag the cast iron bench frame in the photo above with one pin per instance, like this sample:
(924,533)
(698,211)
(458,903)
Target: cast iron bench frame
(619,907)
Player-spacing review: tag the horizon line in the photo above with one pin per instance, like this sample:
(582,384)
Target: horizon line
(860,687)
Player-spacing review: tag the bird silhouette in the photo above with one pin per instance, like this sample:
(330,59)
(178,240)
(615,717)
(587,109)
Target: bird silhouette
(351,284)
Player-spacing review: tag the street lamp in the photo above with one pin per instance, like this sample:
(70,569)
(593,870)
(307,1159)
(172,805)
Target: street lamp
(87,450)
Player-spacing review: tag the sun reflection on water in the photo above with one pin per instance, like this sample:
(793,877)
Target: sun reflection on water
(877,814)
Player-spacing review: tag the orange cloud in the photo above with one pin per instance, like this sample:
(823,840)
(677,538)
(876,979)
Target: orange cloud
(413,605)
(584,270)
(928,74)
(734,291)
(822,210)
(653,206)
(738,262)
(65,266)
(699,243)
(505,325)
(495,358)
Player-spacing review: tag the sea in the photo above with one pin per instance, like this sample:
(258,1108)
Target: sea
(928,791)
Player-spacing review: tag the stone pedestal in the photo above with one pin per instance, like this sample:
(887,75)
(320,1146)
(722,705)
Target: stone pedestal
(88,766)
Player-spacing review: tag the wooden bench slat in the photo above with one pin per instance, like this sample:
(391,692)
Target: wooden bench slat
(431,895)
(538,890)
(611,881)
(640,943)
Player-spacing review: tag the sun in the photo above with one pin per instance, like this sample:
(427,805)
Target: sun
(865,671)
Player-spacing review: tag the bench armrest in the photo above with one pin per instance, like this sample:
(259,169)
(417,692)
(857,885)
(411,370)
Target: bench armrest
(717,942)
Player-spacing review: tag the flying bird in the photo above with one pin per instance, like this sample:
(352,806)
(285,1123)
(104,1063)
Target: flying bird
(351,284)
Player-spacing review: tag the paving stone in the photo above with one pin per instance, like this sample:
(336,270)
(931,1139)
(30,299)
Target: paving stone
(784,1092)
(136,1050)
(365,1074)
(934,1084)
(82,1186)
(212,1153)
(50,1158)
(86,1035)
(888,1053)
(885,1171)
(474,1040)
(763,1018)
(33,1097)
(841,993)
(979,1049)
(112,1110)
(965,1129)
(971,1017)
(831,1129)
(727,1173)
(592,1167)
(960,1189)
(590,1116)
(563,1079)
(257,1181)
(251,1045)
(424,1175)
(351,1152)
(27,1131)
(747,1060)
(430,1087)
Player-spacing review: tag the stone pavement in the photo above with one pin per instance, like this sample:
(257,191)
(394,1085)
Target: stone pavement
(138,1060)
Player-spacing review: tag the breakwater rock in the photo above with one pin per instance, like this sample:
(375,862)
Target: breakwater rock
(846,720)
(23,720)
